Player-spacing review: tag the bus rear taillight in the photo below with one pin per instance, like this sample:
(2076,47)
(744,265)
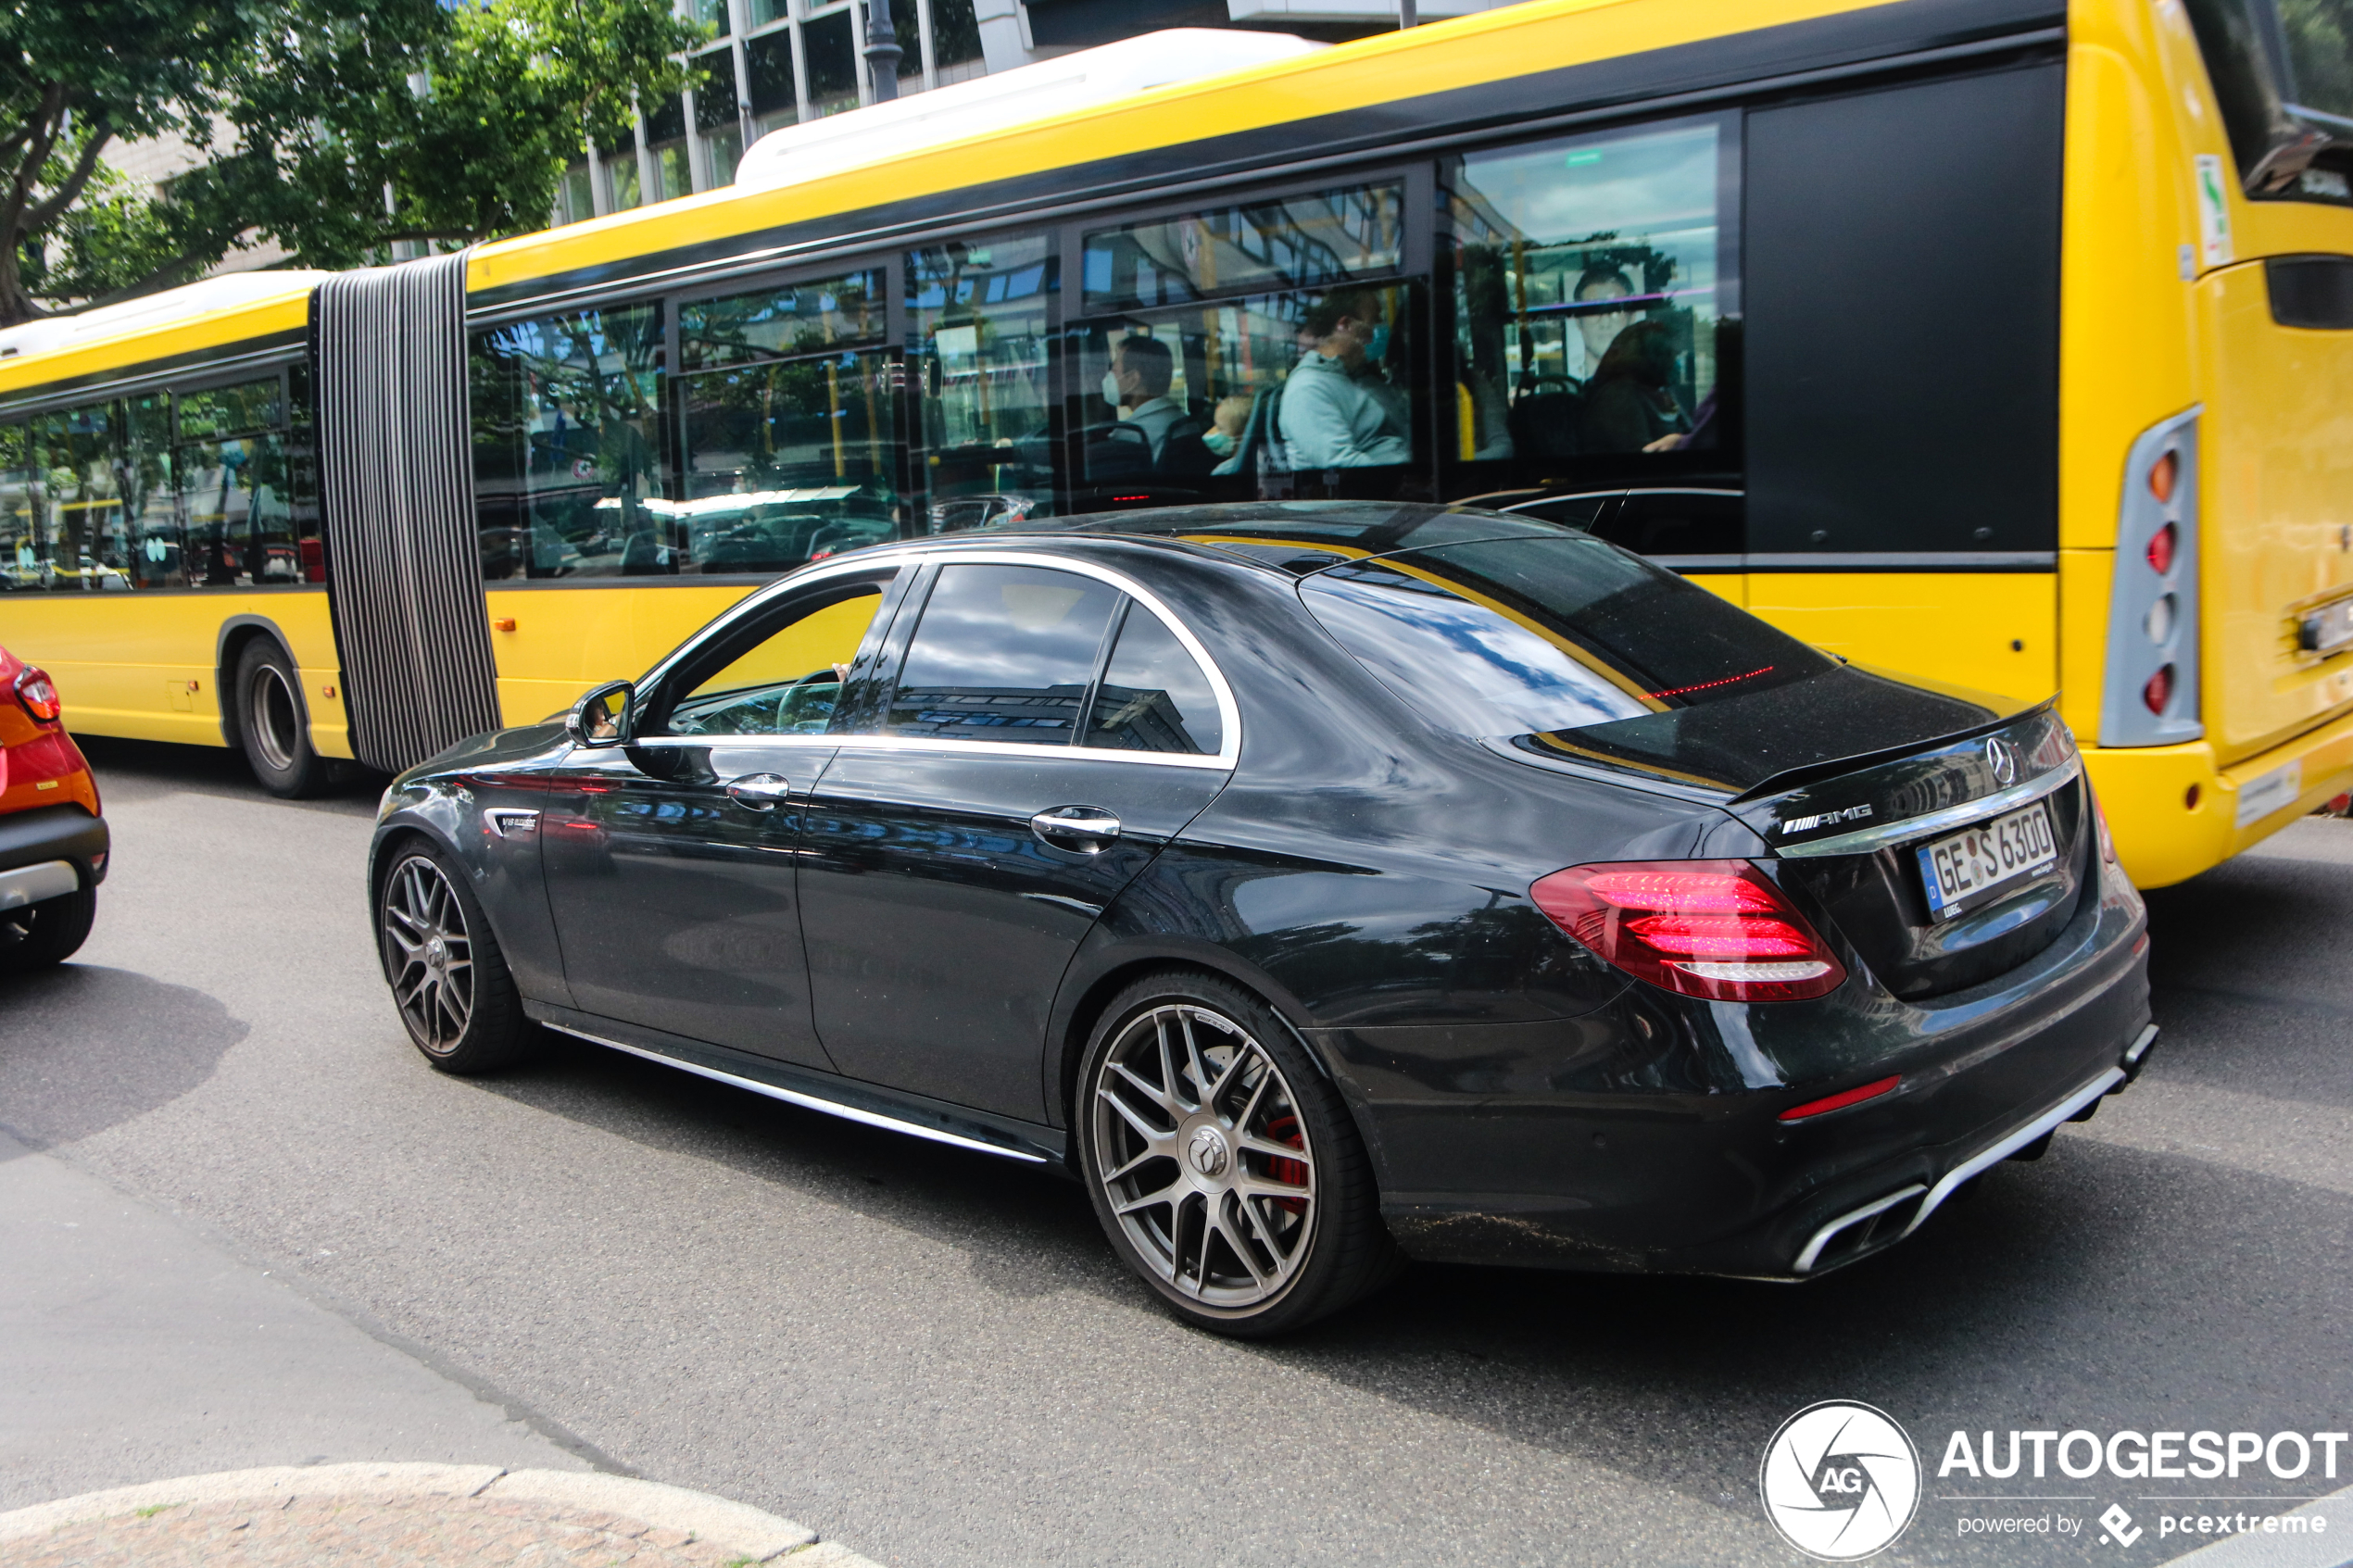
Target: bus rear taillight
(2151,695)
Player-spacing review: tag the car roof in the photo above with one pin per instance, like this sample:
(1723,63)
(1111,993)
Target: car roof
(1289,536)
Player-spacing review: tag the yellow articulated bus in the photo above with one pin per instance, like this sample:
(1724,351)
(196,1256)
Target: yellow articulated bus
(2005,343)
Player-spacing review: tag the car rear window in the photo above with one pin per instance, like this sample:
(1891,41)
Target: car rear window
(1517,637)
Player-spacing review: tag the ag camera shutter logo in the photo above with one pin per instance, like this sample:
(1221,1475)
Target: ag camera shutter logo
(1841,1480)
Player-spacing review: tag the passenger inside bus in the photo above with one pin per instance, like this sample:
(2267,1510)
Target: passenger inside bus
(1142,371)
(1339,409)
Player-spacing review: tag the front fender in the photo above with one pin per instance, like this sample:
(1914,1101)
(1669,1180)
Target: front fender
(502,866)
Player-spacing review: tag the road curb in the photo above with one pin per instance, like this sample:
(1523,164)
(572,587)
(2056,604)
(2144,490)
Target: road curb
(738,1528)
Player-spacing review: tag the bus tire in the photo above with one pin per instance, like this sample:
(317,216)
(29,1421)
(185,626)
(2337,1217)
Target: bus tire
(271,726)
(46,935)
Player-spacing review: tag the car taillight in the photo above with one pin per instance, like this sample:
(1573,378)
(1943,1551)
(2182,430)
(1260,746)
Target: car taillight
(2107,839)
(1715,929)
(37,694)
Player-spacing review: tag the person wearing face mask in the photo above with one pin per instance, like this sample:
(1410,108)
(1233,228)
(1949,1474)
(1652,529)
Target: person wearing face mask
(1337,410)
(1142,371)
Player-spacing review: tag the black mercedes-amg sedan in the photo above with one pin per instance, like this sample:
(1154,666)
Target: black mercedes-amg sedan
(1321,885)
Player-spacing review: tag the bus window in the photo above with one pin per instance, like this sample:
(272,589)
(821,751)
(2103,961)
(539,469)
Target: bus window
(790,445)
(567,462)
(1287,242)
(81,542)
(1206,386)
(19,560)
(984,352)
(2282,77)
(236,490)
(152,502)
(1298,395)
(1591,280)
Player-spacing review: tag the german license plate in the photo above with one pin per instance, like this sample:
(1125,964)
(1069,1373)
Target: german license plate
(1968,868)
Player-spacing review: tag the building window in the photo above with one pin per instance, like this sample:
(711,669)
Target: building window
(717,115)
(774,102)
(832,62)
(666,139)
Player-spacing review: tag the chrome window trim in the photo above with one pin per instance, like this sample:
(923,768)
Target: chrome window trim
(1228,711)
(1864,841)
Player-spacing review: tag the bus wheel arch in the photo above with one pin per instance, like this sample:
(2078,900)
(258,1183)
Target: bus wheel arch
(262,711)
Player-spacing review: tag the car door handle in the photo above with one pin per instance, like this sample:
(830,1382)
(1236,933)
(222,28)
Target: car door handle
(759,792)
(1089,828)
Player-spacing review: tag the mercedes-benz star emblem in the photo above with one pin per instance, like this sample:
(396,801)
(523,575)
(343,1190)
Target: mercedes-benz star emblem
(2002,757)
(1207,1151)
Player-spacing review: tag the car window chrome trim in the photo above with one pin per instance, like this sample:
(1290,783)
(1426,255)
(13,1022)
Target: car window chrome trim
(807,1102)
(1228,712)
(1864,841)
(1046,753)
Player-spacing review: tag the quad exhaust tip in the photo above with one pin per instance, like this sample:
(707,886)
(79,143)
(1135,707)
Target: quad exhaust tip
(1889,1219)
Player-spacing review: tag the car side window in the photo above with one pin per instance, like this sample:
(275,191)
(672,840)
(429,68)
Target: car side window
(789,680)
(1154,695)
(1003,653)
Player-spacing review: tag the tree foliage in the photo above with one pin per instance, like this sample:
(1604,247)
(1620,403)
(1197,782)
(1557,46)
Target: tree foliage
(331,127)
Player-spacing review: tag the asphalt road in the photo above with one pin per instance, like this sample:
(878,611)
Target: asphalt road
(932,1356)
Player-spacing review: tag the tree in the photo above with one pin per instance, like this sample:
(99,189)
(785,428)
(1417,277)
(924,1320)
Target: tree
(331,127)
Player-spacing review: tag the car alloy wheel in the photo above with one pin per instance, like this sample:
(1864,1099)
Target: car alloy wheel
(1204,1158)
(428,954)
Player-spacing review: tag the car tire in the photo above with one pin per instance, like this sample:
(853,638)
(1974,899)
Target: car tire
(46,935)
(270,724)
(1222,1162)
(450,982)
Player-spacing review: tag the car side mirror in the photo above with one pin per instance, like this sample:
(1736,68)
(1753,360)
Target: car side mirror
(601,718)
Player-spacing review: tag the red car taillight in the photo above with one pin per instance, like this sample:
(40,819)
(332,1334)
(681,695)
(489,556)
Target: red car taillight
(1716,929)
(37,694)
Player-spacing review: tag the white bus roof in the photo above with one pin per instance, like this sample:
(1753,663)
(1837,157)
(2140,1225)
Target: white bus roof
(988,104)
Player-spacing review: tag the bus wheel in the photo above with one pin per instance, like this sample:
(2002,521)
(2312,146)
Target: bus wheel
(270,722)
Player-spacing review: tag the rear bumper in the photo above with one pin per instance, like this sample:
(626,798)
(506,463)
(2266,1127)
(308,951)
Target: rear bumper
(2164,834)
(32,839)
(1714,1183)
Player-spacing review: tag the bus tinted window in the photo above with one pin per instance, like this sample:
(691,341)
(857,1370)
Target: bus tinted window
(236,504)
(2320,53)
(19,550)
(230,411)
(1289,395)
(567,465)
(1590,282)
(1292,241)
(152,505)
(983,351)
(803,318)
(79,540)
(791,455)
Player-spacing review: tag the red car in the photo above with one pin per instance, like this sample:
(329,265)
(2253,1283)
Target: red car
(53,841)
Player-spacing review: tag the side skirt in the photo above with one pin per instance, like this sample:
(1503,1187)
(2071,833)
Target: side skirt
(815,1090)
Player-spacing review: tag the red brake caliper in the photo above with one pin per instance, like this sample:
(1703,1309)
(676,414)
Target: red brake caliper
(1285,1129)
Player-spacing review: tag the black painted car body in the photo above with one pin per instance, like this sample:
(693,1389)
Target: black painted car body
(886,934)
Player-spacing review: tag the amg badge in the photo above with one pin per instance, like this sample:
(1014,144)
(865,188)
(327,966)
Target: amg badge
(1851,814)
